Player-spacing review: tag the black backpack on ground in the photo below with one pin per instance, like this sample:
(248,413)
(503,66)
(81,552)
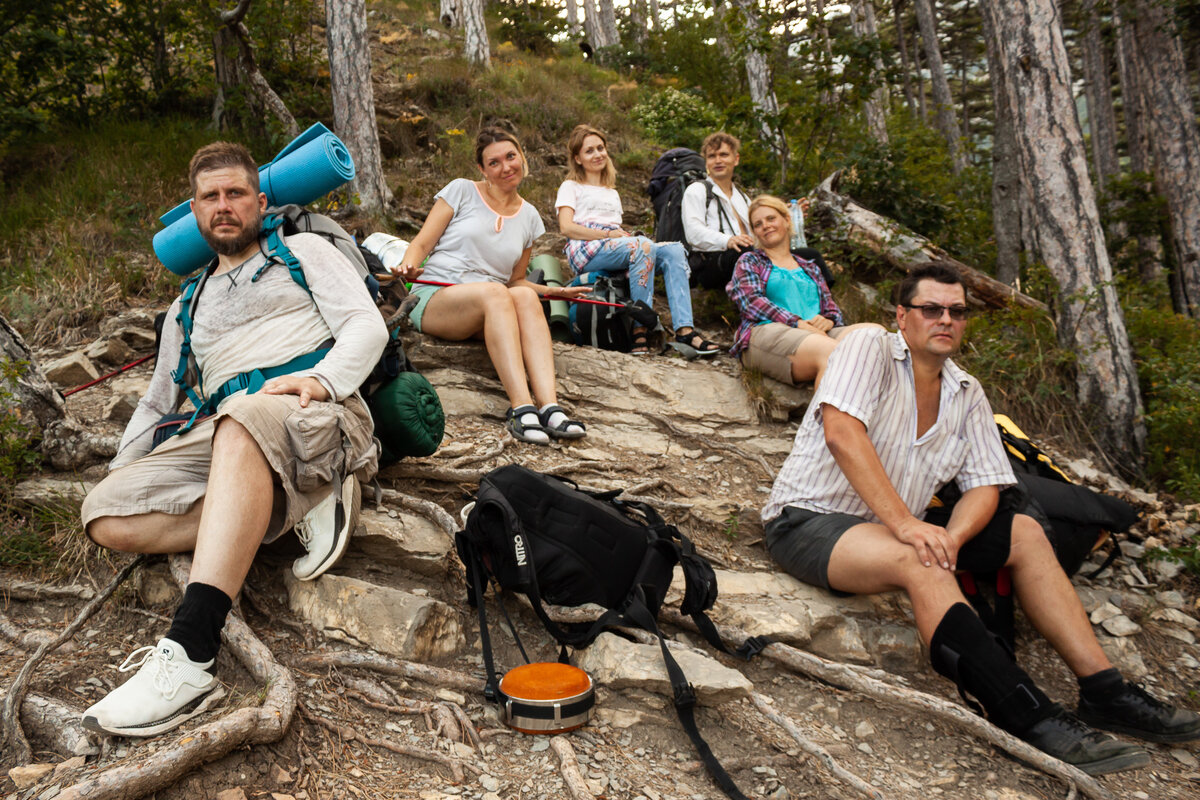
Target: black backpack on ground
(604,326)
(675,170)
(543,537)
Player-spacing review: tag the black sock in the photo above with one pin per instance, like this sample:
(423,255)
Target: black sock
(1101,685)
(199,620)
(966,652)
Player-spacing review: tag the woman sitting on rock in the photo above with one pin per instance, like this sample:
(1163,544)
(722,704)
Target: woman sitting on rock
(790,323)
(479,236)
(589,215)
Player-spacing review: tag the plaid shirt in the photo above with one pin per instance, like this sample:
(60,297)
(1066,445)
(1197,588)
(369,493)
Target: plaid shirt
(748,291)
(580,251)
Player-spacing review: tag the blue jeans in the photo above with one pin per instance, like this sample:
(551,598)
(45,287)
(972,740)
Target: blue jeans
(626,253)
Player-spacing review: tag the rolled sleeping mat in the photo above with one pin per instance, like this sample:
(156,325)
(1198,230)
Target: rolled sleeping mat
(408,415)
(552,275)
(312,165)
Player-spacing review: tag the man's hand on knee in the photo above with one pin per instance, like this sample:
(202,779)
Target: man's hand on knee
(934,545)
(306,388)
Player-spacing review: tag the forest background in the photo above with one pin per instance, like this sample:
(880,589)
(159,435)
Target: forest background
(1052,145)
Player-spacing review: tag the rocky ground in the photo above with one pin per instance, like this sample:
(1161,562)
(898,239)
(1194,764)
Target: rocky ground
(687,437)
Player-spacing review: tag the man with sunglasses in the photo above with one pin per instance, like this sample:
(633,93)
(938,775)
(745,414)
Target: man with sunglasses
(893,421)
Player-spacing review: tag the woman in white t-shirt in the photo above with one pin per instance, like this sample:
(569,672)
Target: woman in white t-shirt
(589,215)
(478,237)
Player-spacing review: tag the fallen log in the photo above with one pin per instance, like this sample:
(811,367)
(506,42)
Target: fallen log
(844,219)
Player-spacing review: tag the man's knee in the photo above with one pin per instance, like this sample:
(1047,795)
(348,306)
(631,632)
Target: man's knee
(113,533)
(1028,541)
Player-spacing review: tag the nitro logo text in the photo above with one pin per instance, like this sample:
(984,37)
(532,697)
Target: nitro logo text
(519,549)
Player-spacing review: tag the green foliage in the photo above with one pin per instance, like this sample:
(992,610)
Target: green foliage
(1132,205)
(531,26)
(1187,555)
(673,118)
(18,451)
(1167,352)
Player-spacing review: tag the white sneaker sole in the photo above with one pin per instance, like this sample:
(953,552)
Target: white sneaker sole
(154,728)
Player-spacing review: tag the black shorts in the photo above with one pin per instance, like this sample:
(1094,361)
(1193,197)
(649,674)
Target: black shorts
(802,541)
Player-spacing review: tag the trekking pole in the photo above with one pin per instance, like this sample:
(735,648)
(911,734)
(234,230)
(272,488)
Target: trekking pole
(103,378)
(568,299)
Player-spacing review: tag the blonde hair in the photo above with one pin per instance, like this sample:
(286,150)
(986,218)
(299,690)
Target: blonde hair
(772,202)
(575,170)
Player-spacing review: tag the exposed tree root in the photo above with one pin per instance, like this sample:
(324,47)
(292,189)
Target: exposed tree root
(789,725)
(569,767)
(428,509)
(21,638)
(950,713)
(29,590)
(12,738)
(437,676)
(349,734)
(710,443)
(50,721)
(745,762)
(452,475)
(486,455)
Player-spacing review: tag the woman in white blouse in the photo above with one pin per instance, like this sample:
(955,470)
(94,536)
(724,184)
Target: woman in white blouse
(479,236)
(589,215)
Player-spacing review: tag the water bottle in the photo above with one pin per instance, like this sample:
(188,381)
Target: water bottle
(798,239)
(389,249)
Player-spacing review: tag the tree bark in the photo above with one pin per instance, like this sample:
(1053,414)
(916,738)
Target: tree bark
(354,100)
(906,69)
(1174,137)
(1006,210)
(24,390)
(242,69)
(573,25)
(1102,123)
(477,48)
(1066,231)
(762,93)
(862,22)
(946,119)
(608,23)
(448,12)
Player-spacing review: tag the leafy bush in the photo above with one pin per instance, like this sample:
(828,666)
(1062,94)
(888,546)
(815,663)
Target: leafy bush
(531,26)
(674,118)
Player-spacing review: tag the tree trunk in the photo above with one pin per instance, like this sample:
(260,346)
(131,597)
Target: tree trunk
(1149,247)
(235,67)
(608,23)
(1066,231)
(720,12)
(862,22)
(591,24)
(946,119)
(354,99)
(1006,211)
(906,69)
(762,93)
(919,75)
(475,34)
(1101,121)
(25,391)
(573,25)
(1174,138)
(448,12)
(637,22)
(655,15)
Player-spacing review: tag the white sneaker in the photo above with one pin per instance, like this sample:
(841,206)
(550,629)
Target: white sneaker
(168,690)
(325,531)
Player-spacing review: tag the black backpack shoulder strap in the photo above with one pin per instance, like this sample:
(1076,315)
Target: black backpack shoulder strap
(722,217)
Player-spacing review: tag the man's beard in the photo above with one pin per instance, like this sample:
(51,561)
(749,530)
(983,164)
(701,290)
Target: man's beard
(232,247)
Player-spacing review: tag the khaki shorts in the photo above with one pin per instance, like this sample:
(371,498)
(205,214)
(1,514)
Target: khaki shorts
(304,446)
(771,347)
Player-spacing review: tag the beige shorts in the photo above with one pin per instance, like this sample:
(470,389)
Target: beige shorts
(304,446)
(771,348)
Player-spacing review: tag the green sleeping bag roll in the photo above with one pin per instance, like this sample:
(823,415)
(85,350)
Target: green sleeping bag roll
(408,415)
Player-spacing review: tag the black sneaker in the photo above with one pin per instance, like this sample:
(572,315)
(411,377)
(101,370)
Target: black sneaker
(1064,737)
(1133,712)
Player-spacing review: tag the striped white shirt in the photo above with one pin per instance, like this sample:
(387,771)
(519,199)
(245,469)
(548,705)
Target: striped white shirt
(870,377)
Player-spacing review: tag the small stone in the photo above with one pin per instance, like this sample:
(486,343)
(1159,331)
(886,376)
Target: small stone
(864,729)
(235,793)
(1185,758)
(489,782)
(50,793)
(865,748)
(30,774)
(278,796)
(1105,612)
(1170,598)
(462,749)
(1176,616)
(450,696)
(1121,625)
(68,765)
(71,370)
(490,796)
(541,744)
(120,407)
(110,350)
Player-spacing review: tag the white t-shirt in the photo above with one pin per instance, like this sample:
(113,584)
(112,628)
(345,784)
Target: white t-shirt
(479,244)
(591,203)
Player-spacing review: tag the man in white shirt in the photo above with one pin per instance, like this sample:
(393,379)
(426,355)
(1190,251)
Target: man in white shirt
(264,461)
(716,214)
(892,422)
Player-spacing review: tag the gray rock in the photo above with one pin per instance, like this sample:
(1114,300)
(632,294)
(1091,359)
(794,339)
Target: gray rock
(896,648)
(1174,615)
(1164,569)
(1104,613)
(155,586)
(389,620)
(1170,598)
(1125,656)
(71,370)
(48,492)
(109,350)
(618,664)
(842,643)
(1121,625)
(120,408)
(408,542)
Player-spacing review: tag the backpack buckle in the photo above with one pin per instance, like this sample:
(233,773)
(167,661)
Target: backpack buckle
(685,696)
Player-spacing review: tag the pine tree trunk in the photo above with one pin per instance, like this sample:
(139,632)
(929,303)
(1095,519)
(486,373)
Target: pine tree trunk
(1006,211)
(947,120)
(354,99)
(862,22)
(1066,230)
(655,16)
(1174,138)
(448,12)
(906,69)
(477,49)
(608,23)
(1101,121)
(762,93)
(637,21)
(591,24)
(919,75)
(236,68)
(572,17)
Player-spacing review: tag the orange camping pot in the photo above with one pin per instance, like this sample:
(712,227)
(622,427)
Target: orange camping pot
(546,697)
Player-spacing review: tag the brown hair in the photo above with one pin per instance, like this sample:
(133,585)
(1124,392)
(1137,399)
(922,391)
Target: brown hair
(575,171)
(774,203)
(940,271)
(220,155)
(714,141)
(491,135)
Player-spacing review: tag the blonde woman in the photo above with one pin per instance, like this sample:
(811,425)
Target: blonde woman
(589,215)
(790,323)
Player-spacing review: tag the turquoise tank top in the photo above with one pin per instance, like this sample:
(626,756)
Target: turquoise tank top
(795,291)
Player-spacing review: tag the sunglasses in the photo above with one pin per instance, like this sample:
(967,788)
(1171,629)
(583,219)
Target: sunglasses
(933,312)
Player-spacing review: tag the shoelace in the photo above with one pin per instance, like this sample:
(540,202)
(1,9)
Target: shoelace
(1139,690)
(303,532)
(164,669)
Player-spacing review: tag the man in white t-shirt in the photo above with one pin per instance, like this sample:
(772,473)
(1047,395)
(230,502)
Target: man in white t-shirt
(893,421)
(716,214)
